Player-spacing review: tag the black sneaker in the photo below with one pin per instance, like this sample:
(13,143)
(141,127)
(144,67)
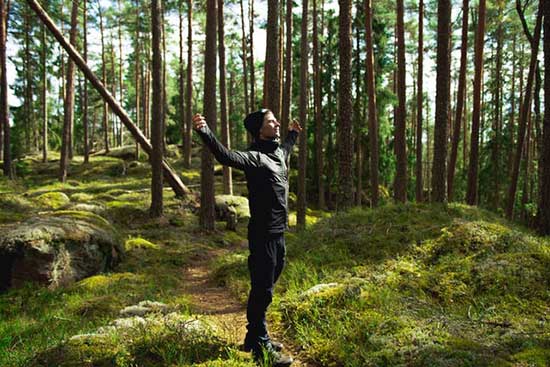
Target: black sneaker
(267,356)
(277,346)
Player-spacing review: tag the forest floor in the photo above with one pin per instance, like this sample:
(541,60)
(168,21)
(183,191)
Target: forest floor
(413,284)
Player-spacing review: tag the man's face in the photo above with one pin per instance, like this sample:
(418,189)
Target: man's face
(270,127)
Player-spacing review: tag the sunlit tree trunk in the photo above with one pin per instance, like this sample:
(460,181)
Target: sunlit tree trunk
(251,15)
(137,71)
(471,193)
(373,114)
(272,58)
(206,217)
(400,183)
(157,130)
(345,146)
(69,98)
(419,104)
(104,77)
(189,86)
(304,53)
(4,106)
(44,99)
(244,60)
(443,68)
(459,101)
(543,213)
(227,176)
(287,90)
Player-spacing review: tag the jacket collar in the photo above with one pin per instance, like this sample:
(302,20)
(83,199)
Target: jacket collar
(264,146)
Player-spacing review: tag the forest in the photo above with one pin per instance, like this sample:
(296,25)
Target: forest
(418,188)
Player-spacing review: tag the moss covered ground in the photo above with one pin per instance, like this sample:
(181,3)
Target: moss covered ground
(412,285)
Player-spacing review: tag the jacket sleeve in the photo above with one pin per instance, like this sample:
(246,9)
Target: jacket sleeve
(232,158)
(289,142)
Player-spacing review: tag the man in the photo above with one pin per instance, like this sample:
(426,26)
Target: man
(266,173)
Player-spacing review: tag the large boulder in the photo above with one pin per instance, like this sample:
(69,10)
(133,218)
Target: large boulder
(231,209)
(58,248)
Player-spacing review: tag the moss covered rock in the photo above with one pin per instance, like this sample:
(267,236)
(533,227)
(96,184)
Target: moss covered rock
(53,200)
(231,209)
(57,249)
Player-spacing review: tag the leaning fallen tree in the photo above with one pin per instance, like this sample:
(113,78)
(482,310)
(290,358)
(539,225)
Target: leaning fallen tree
(170,175)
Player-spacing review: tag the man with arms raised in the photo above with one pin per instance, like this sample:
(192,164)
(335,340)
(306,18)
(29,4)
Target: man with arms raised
(264,164)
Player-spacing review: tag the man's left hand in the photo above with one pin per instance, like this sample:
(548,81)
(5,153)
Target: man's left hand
(295,126)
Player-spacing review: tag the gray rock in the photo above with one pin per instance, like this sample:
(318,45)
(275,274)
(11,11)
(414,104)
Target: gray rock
(318,289)
(231,209)
(92,208)
(57,249)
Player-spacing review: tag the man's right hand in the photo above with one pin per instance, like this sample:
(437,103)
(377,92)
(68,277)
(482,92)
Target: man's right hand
(198,121)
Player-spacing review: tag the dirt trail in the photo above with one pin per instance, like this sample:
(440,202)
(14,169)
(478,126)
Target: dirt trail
(227,312)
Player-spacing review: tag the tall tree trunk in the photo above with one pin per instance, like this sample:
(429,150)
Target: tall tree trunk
(104,76)
(227,176)
(251,15)
(120,68)
(513,103)
(304,56)
(272,58)
(524,113)
(27,102)
(345,194)
(164,96)
(157,130)
(44,100)
(180,107)
(287,90)
(373,114)
(495,199)
(471,193)
(319,133)
(4,106)
(419,104)
(441,100)
(543,212)
(400,183)
(459,101)
(206,217)
(189,86)
(114,124)
(244,60)
(137,71)
(85,106)
(69,99)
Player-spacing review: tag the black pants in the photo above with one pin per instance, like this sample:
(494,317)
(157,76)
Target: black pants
(265,263)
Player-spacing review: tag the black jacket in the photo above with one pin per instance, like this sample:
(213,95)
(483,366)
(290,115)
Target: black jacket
(264,164)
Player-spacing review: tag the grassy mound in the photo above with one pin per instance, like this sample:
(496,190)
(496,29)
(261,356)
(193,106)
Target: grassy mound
(415,285)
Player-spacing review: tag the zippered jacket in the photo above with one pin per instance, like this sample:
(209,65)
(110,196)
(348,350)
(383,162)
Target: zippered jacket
(266,171)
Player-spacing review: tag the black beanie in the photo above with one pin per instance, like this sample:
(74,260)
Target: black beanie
(254,121)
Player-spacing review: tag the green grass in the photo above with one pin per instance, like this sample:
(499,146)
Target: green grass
(36,323)
(418,285)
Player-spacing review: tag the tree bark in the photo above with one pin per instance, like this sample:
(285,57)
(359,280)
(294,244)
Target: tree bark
(157,127)
(373,114)
(4,106)
(179,188)
(543,212)
(471,193)
(287,90)
(301,209)
(104,75)
(44,96)
(459,101)
(137,71)
(189,86)
(253,105)
(69,99)
(272,58)
(345,154)
(206,218)
(419,104)
(244,61)
(441,101)
(227,175)
(319,133)
(524,113)
(400,183)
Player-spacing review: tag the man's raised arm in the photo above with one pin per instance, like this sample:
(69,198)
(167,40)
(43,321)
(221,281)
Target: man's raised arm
(294,130)
(236,159)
